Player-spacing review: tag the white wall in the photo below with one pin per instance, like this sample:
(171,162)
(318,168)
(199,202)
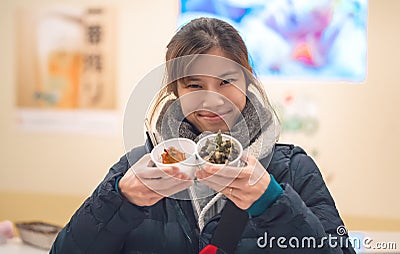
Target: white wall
(358,135)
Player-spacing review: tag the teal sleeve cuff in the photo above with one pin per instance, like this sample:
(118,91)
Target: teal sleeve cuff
(271,194)
(116,184)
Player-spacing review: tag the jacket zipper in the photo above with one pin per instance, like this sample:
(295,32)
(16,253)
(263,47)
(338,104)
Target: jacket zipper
(186,226)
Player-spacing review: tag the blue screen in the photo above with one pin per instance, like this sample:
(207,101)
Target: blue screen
(295,39)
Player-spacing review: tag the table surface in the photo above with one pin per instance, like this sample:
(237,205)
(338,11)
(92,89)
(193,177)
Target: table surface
(16,246)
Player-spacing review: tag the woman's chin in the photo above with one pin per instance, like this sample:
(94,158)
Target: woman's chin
(214,127)
(210,124)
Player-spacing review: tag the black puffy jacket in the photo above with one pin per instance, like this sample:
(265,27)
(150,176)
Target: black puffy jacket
(108,223)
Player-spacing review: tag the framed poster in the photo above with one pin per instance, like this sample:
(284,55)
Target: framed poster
(66,68)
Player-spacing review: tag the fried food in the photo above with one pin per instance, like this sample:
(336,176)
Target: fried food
(172,155)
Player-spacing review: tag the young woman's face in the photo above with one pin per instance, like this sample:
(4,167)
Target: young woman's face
(213,97)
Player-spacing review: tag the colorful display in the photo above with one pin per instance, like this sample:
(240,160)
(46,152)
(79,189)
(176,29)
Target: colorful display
(295,39)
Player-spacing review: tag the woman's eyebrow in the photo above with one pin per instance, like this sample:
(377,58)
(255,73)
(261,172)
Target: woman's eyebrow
(228,73)
(198,78)
(192,78)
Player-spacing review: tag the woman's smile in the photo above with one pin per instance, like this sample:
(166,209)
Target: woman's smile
(213,116)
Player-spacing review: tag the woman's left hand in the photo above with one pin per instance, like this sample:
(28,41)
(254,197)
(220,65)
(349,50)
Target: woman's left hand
(243,185)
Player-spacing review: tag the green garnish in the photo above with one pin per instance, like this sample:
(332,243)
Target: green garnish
(218,150)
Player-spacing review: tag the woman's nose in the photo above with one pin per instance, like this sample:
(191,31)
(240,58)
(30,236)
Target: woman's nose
(212,100)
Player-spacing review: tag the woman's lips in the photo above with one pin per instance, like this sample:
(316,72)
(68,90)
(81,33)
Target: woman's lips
(213,116)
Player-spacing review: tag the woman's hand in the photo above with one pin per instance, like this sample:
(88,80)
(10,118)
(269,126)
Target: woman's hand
(241,185)
(144,185)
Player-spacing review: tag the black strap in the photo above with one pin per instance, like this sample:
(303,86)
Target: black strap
(148,144)
(230,227)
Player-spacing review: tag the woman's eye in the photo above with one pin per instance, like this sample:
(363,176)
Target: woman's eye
(193,86)
(228,81)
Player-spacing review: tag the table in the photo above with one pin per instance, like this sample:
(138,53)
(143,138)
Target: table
(16,246)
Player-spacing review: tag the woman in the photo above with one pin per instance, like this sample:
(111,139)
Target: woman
(210,87)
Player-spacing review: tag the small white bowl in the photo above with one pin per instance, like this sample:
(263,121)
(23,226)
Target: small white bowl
(202,141)
(184,145)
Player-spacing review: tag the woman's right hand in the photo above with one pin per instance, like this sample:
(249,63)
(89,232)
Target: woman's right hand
(144,184)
